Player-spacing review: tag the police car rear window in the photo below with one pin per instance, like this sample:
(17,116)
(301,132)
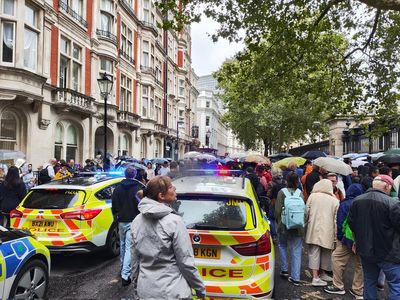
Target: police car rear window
(53,199)
(214,214)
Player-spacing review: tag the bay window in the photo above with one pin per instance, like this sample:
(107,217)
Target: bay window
(31,35)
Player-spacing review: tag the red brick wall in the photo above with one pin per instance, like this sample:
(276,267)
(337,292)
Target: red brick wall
(118,86)
(136,7)
(180,58)
(88,72)
(118,33)
(55,5)
(54,55)
(89,16)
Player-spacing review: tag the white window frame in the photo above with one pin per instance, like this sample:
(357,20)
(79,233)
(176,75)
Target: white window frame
(72,61)
(126,93)
(145,100)
(145,54)
(126,40)
(34,28)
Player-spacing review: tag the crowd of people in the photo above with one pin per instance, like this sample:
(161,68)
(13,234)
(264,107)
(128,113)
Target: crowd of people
(337,217)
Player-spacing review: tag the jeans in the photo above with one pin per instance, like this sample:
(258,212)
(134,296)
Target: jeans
(295,245)
(125,238)
(272,222)
(371,274)
(381,278)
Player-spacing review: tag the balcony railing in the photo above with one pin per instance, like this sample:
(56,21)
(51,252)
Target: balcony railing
(64,6)
(150,26)
(126,56)
(128,118)
(161,129)
(148,70)
(68,97)
(129,9)
(159,82)
(107,36)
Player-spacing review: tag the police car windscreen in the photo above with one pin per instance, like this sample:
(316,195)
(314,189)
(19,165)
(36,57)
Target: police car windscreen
(53,199)
(212,214)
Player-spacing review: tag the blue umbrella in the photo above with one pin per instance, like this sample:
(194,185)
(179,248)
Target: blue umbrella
(159,160)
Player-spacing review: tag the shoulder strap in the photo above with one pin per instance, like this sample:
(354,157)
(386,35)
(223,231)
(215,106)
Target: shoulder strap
(297,193)
(286,192)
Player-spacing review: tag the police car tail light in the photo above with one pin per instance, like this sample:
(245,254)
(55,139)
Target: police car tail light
(261,247)
(16,213)
(84,214)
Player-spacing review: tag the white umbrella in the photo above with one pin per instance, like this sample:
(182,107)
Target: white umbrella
(191,154)
(206,156)
(11,154)
(333,165)
(238,155)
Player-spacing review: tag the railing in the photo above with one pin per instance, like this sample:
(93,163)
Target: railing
(127,117)
(150,26)
(74,98)
(126,56)
(129,9)
(148,70)
(64,6)
(161,128)
(107,35)
(159,82)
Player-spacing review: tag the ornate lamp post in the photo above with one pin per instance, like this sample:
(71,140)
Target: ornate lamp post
(105,86)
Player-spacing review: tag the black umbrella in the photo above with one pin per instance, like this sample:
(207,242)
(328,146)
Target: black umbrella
(390,159)
(279,156)
(314,154)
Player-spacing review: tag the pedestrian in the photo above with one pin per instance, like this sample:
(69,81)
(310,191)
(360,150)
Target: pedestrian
(289,239)
(366,181)
(46,174)
(322,207)
(28,178)
(162,252)
(312,178)
(255,181)
(2,174)
(125,209)
(72,167)
(174,170)
(164,169)
(62,172)
(343,251)
(89,166)
(150,171)
(333,177)
(375,221)
(12,191)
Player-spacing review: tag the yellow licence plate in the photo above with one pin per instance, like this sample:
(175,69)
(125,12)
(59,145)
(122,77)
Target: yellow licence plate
(43,223)
(204,252)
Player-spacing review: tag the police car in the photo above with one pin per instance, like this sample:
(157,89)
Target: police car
(72,215)
(230,234)
(24,266)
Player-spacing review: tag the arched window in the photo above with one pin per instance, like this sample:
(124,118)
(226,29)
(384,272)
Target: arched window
(143,148)
(72,143)
(58,142)
(8,130)
(157,149)
(123,144)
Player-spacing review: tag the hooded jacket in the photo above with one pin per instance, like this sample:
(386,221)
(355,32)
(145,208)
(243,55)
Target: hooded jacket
(322,206)
(375,221)
(162,255)
(352,192)
(124,200)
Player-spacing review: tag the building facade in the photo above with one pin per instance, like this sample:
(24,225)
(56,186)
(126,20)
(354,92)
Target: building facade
(52,54)
(213,133)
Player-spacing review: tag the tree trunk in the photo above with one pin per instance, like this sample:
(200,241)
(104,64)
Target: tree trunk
(383,4)
(266,146)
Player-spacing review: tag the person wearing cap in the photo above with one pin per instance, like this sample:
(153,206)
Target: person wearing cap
(374,218)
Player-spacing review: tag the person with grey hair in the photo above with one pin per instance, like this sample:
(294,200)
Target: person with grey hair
(374,219)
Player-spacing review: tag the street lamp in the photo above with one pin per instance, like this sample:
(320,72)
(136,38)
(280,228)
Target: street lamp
(317,126)
(208,134)
(177,138)
(105,85)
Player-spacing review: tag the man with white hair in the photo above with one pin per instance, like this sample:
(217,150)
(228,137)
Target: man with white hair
(374,218)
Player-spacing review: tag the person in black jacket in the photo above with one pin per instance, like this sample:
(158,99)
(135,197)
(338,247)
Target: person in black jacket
(374,219)
(12,191)
(125,200)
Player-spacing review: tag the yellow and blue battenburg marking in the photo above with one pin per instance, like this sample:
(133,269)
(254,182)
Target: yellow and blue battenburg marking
(13,255)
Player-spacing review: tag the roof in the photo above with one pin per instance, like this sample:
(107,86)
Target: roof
(77,182)
(219,185)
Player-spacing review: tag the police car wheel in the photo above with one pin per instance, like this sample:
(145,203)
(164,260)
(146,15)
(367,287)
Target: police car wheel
(113,243)
(31,282)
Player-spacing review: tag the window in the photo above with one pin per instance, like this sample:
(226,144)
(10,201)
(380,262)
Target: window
(143,147)
(158,69)
(106,15)
(146,10)
(123,144)
(208,104)
(9,7)
(126,41)
(66,141)
(106,65)
(126,93)
(207,121)
(145,100)
(182,87)
(70,61)
(77,6)
(72,143)
(157,149)
(152,64)
(158,110)
(31,34)
(58,142)
(145,54)
(8,38)
(8,130)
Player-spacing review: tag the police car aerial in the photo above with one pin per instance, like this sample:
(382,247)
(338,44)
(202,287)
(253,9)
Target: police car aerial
(230,235)
(24,266)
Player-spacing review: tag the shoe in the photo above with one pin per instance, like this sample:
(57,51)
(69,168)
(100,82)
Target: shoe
(356,296)
(284,274)
(326,277)
(333,289)
(126,282)
(380,288)
(295,282)
(318,282)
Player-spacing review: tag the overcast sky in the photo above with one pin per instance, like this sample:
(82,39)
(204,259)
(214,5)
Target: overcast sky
(207,56)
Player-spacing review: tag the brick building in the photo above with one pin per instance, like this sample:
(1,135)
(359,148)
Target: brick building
(53,52)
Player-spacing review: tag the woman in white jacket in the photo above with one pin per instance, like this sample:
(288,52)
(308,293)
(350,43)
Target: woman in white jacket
(162,256)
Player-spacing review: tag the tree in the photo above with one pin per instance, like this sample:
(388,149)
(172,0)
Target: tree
(371,28)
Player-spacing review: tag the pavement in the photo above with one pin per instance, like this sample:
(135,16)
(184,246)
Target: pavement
(96,276)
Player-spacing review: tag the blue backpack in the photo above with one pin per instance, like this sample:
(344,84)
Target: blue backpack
(293,210)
